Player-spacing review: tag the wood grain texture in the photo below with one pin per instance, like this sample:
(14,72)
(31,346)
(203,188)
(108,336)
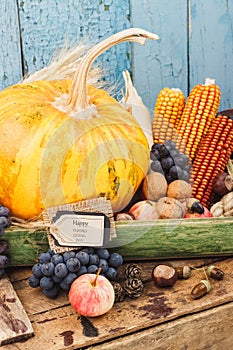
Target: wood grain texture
(10,50)
(211,329)
(15,324)
(211,45)
(196,41)
(165,311)
(163,63)
(46,27)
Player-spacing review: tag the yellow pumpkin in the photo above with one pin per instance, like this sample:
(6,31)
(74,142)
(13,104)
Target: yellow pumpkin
(62,142)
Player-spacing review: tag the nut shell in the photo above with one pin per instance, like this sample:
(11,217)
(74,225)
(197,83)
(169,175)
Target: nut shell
(184,272)
(154,186)
(164,276)
(223,183)
(169,208)
(179,189)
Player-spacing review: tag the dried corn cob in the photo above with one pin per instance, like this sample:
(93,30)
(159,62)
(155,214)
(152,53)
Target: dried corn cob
(212,157)
(201,107)
(168,109)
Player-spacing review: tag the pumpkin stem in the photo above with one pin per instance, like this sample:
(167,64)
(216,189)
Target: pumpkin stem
(78,97)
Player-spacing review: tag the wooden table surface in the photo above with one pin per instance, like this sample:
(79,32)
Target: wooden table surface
(161,318)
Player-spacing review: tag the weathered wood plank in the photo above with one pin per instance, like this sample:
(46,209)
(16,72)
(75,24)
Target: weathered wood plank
(59,326)
(196,40)
(10,54)
(211,45)
(211,329)
(15,324)
(163,63)
(45,27)
(161,239)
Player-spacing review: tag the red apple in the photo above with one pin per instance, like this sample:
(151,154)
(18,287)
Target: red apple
(144,210)
(206,214)
(91,295)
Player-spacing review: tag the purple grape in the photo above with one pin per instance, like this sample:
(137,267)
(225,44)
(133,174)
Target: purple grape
(180,160)
(88,250)
(46,283)
(164,152)
(4,211)
(92,269)
(93,259)
(156,145)
(68,255)
(4,222)
(154,154)
(51,293)
(115,260)
(67,281)
(173,172)
(170,144)
(73,264)
(4,261)
(47,269)
(83,257)
(156,167)
(174,153)
(185,176)
(33,281)
(51,252)
(111,274)
(36,270)
(44,257)
(61,270)
(102,253)
(103,265)
(57,258)
(169,178)
(167,163)
(81,271)
(57,279)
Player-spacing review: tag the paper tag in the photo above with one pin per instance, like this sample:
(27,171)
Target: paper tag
(80,228)
(61,236)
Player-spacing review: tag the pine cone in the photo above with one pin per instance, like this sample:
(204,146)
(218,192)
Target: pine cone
(133,287)
(132,271)
(119,291)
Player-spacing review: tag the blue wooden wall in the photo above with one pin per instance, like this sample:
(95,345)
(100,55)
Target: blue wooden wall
(196,40)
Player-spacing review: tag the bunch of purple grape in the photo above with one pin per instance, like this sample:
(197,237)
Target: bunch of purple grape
(54,272)
(169,161)
(4,246)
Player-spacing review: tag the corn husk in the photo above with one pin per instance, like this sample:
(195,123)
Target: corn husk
(230,168)
(134,104)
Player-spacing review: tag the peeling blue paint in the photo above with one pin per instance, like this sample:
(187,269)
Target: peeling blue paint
(194,44)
